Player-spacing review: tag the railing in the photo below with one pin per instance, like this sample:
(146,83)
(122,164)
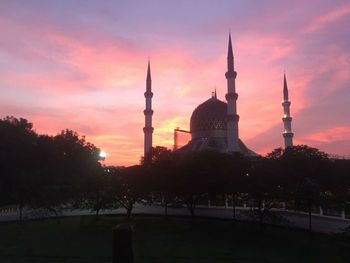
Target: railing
(54,259)
(105,259)
(324,212)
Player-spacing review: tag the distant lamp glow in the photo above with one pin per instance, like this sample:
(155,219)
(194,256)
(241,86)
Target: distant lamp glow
(102,155)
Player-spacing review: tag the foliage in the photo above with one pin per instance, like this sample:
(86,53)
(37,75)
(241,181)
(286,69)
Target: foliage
(127,186)
(53,172)
(42,171)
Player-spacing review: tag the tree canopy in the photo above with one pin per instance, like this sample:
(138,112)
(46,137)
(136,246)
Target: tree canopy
(54,171)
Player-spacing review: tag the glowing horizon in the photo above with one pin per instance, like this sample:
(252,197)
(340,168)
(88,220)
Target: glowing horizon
(83,67)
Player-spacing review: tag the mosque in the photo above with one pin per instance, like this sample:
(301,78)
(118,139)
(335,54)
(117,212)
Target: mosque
(214,123)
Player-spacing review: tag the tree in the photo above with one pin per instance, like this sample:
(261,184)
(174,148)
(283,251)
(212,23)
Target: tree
(46,192)
(264,187)
(17,140)
(308,195)
(98,194)
(159,154)
(304,171)
(127,186)
(76,163)
(199,174)
(162,175)
(233,179)
(335,191)
(42,171)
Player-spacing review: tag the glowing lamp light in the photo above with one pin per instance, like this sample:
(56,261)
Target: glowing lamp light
(102,155)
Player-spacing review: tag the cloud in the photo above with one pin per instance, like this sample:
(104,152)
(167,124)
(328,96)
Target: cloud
(330,135)
(83,67)
(330,17)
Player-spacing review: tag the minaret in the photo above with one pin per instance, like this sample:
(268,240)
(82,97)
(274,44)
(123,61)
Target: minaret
(287,120)
(148,129)
(231,97)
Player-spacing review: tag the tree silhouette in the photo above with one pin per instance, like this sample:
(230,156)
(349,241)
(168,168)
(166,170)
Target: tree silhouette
(303,170)
(17,140)
(42,171)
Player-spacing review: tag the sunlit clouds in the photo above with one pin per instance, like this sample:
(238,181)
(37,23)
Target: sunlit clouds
(83,67)
(329,17)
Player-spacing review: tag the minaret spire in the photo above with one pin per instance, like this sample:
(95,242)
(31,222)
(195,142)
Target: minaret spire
(230,59)
(149,79)
(231,97)
(285,88)
(148,112)
(287,120)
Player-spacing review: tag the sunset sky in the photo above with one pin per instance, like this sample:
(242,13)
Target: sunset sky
(82,65)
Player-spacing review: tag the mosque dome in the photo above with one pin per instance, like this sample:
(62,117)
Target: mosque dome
(209,130)
(209,119)
(208,124)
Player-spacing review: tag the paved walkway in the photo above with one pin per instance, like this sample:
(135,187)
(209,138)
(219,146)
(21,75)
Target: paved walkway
(293,219)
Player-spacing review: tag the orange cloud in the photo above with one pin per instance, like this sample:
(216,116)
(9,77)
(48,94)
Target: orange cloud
(91,78)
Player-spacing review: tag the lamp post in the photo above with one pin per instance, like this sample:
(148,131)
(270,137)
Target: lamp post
(102,155)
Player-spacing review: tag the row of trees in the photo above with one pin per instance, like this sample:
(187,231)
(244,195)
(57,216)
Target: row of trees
(301,176)
(54,172)
(41,170)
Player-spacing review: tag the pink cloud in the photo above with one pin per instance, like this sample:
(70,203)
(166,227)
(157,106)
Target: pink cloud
(328,18)
(329,135)
(91,77)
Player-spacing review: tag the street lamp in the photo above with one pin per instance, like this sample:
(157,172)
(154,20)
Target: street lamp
(102,155)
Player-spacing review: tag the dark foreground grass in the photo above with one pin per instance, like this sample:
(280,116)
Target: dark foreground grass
(83,239)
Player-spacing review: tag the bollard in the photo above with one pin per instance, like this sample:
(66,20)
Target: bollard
(122,244)
(321,211)
(343,215)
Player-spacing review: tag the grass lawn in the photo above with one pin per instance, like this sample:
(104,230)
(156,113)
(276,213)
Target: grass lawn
(83,239)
